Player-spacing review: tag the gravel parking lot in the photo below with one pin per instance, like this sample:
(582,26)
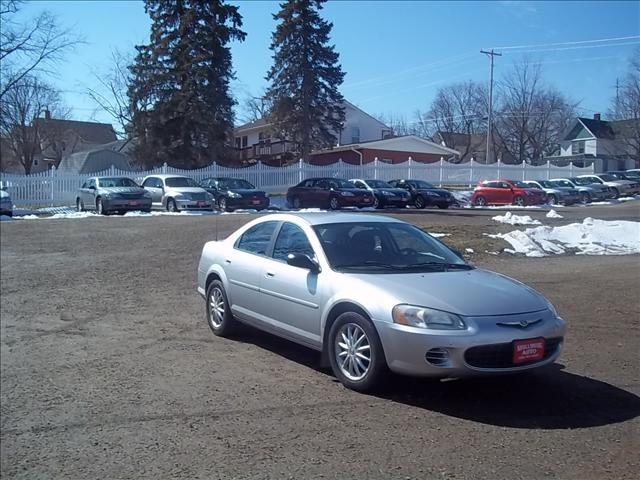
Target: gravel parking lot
(109,370)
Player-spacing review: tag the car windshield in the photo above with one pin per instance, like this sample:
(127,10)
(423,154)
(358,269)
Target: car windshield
(234,184)
(378,184)
(384,247)
(116,182)
(422,184)
(582,181)
(559,183)
(180,182)
(340,183)
(607,178)
(546,183)
(519,184)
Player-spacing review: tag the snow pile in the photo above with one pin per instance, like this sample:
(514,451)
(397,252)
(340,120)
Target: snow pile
(512,219)
(439,235)
(553,214)
(73,215)
(591,237)
(469,250)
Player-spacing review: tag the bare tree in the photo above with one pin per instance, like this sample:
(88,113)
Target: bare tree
(110,94)
(458,113)
(20,107)
(256,107)
(29,48)
(397,123)
(530,116)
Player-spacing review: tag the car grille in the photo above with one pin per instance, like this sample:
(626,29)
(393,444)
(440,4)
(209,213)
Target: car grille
(132,195)
(500,355)
(195,196)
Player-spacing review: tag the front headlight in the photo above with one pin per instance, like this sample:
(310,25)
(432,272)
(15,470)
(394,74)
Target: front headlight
(347,194)
(231,194)
(388,194)
(266,195)
(423,317)
(433,194)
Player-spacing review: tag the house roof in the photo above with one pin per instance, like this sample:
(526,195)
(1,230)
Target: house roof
(598,128)
(90,132)
(94,161)
(260,123)
(454,139)
(406,143)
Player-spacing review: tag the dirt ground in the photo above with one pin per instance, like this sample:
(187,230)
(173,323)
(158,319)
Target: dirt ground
(108,370)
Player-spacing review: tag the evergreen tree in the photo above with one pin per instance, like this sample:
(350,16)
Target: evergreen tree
(305,76)
(181,107)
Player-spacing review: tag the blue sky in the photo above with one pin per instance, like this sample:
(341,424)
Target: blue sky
(395,53)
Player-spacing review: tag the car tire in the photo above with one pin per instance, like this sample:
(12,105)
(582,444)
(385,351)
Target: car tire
(79,205)
(552,200)
(480,201)
(518,201)
(296,203)
(419,202)
(616,193)
(171,205)
(219,316)
(350,363)
(222,204)
(100,207)
(377,203)
(585,198)
(334,203)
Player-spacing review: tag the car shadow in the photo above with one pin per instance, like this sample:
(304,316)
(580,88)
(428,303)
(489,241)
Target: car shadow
(549,398)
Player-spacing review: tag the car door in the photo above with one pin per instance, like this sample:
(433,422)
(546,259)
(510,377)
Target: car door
(83,193)
(321,193)
(244,265)
(290,296)
(90,195)
(504,193)
(154,186)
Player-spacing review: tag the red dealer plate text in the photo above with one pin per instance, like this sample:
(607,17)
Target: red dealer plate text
(529,350)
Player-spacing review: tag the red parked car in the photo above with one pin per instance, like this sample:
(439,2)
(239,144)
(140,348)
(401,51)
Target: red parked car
(332,193)
(506,192)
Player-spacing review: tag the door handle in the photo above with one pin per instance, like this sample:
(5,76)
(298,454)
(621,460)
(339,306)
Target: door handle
(270,275)
(227,260)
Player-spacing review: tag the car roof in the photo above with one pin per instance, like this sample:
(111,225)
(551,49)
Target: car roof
(320,218)
(166,175)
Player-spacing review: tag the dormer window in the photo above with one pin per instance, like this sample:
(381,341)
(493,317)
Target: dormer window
(577,148)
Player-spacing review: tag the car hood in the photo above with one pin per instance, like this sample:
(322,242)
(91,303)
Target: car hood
(395,191)
(355,191)
(246,192)
(187,189)
(468,293)
(622,183)
(440,191)
(122,189)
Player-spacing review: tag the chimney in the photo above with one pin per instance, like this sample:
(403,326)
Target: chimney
(596,116)
(47,114)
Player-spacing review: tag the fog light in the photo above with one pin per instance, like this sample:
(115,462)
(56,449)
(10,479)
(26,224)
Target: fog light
(437,356)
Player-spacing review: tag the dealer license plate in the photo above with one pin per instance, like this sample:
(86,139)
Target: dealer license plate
(202,203)
(133,203)
(529,350)
(256,202)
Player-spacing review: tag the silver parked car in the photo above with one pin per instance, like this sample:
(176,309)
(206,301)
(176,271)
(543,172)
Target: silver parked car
(177,192)
(620,187)
(112,194)
(6,205)
(375,293)
(555,193)
(588,191)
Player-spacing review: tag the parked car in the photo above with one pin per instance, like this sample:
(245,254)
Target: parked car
(631,175)
(385,195)
(112,194)
(620,187)
(231,193)
(588,193)
(554,192)
(332,193)
(375,293)
(6,205)
(423,194)
(609,192)
(506,192)
(177,192)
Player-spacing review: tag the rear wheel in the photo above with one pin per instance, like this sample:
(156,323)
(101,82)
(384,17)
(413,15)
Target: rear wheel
(355,352)
(219,315)
(296,202)
(551,199)
(334,203)
(585,197)
(79,205)
(480,201)
(518,201)
(419,202)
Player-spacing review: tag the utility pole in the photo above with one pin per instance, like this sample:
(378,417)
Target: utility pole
(490,54)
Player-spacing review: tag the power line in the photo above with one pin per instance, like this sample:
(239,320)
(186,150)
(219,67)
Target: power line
(580,47)
(514,47)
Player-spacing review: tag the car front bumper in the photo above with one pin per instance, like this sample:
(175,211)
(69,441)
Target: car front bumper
(248,203)
(125,204)
(187,204)
(484,349)
(355,201)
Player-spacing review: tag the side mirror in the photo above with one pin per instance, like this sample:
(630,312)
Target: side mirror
(301,260)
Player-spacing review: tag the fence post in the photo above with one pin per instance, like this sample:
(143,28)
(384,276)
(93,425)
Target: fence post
(112,170)
(571,169)
(52,187)
(524,167)
(441,169)
(548,169)
(499,162)
(164,167)
(471,162)
(375,167)
(300,171)
(409,160)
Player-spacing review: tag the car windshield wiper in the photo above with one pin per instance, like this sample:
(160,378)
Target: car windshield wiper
(368,264)
(439,265)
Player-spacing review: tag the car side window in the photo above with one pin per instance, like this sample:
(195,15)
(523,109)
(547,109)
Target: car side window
(360,184)
(84,185)
(148,182)
(92,182)
(291,239)
(323,184)
(256,240)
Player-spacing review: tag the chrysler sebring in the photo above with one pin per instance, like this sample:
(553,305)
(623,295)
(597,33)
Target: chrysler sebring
(375,294)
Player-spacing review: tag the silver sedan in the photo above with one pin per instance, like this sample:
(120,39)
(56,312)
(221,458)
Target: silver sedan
(375,294)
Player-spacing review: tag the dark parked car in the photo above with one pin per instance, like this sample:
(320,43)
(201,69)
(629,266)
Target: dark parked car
(632,175)
(384,194)
(423,194)
(112,194)
(332,193)
(506,192)
(232,193)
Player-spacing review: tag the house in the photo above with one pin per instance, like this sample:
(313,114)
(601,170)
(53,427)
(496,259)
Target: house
(254,141)
(95,160)
(389,150)
(610,145)
(472,146)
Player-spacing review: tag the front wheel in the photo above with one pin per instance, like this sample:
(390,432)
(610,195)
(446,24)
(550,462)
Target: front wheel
(100,207)
(219,316)
(551,199)
(334,203)
(222,203)
(377,203)
(616,193)
(419,202)
(355,353)
(518,201)
(585,198)
(171,205)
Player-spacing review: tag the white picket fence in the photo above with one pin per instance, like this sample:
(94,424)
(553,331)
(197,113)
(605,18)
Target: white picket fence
(54,188)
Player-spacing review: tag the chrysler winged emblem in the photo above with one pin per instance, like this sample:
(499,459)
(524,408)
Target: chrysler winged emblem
(520,323)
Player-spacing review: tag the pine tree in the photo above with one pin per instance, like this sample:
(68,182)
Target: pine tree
(179,94)
(307,106)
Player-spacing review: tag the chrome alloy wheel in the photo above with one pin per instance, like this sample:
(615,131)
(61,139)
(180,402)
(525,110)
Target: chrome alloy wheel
(352,351)
(216,307)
